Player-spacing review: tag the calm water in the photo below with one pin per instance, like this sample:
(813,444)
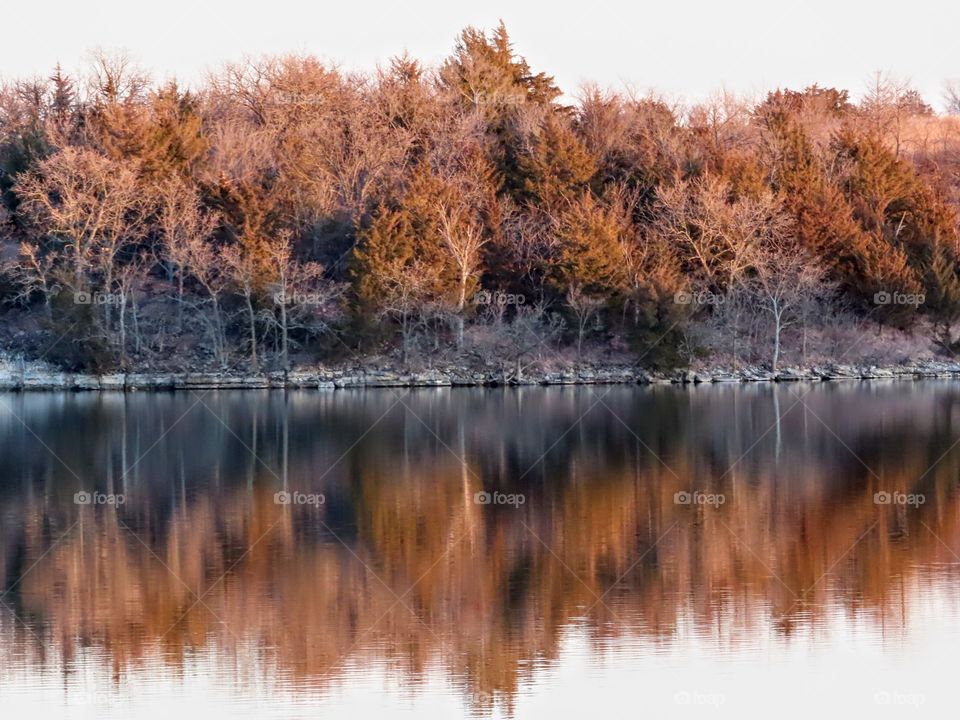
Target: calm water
(646,552)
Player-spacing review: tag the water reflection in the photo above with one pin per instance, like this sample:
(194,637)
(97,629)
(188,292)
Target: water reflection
(401,572)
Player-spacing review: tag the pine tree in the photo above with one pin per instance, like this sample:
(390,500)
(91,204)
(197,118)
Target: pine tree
(486,75)
(63,99)
(557,166)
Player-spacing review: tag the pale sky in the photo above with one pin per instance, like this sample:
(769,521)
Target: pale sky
(685,49)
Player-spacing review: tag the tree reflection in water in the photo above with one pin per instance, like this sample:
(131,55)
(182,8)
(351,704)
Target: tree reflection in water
(400,566)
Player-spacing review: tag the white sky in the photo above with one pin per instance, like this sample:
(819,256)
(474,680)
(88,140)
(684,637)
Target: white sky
(685,48)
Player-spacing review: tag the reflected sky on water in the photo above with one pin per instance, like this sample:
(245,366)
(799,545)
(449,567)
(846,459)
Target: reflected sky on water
(516,553)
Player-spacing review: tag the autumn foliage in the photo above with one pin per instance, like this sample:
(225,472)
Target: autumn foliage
(289,211)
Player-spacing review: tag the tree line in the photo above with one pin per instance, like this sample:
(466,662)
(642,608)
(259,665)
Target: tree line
(289,211)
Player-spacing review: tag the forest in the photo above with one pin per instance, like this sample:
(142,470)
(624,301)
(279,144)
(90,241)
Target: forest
(287,212)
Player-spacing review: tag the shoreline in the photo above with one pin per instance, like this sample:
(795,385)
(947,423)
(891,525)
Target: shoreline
(30,379)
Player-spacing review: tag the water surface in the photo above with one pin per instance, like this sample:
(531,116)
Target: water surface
(660,552)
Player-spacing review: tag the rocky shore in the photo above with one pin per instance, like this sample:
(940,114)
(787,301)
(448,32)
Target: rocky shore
(20,376)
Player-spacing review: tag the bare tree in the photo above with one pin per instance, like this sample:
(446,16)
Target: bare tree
(520,341)
(34,272)
(717,235)
(186,229)
(785,281)
(951,97)
(300,293)
(887,104)
(129,277)
(94,204)
(725,119)
(115,77)
(463,241)
(585,309)
(244,273)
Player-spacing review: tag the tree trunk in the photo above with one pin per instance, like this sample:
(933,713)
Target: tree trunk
(123,332)
(219,342)
(581,328)
(803,341)
(777,319)
(253,331)
(180,300)
(107,286)
(137,338)
(736,337)
(461,304)
(283,337)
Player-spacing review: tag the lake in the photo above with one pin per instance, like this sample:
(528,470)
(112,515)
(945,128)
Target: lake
(536,552)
